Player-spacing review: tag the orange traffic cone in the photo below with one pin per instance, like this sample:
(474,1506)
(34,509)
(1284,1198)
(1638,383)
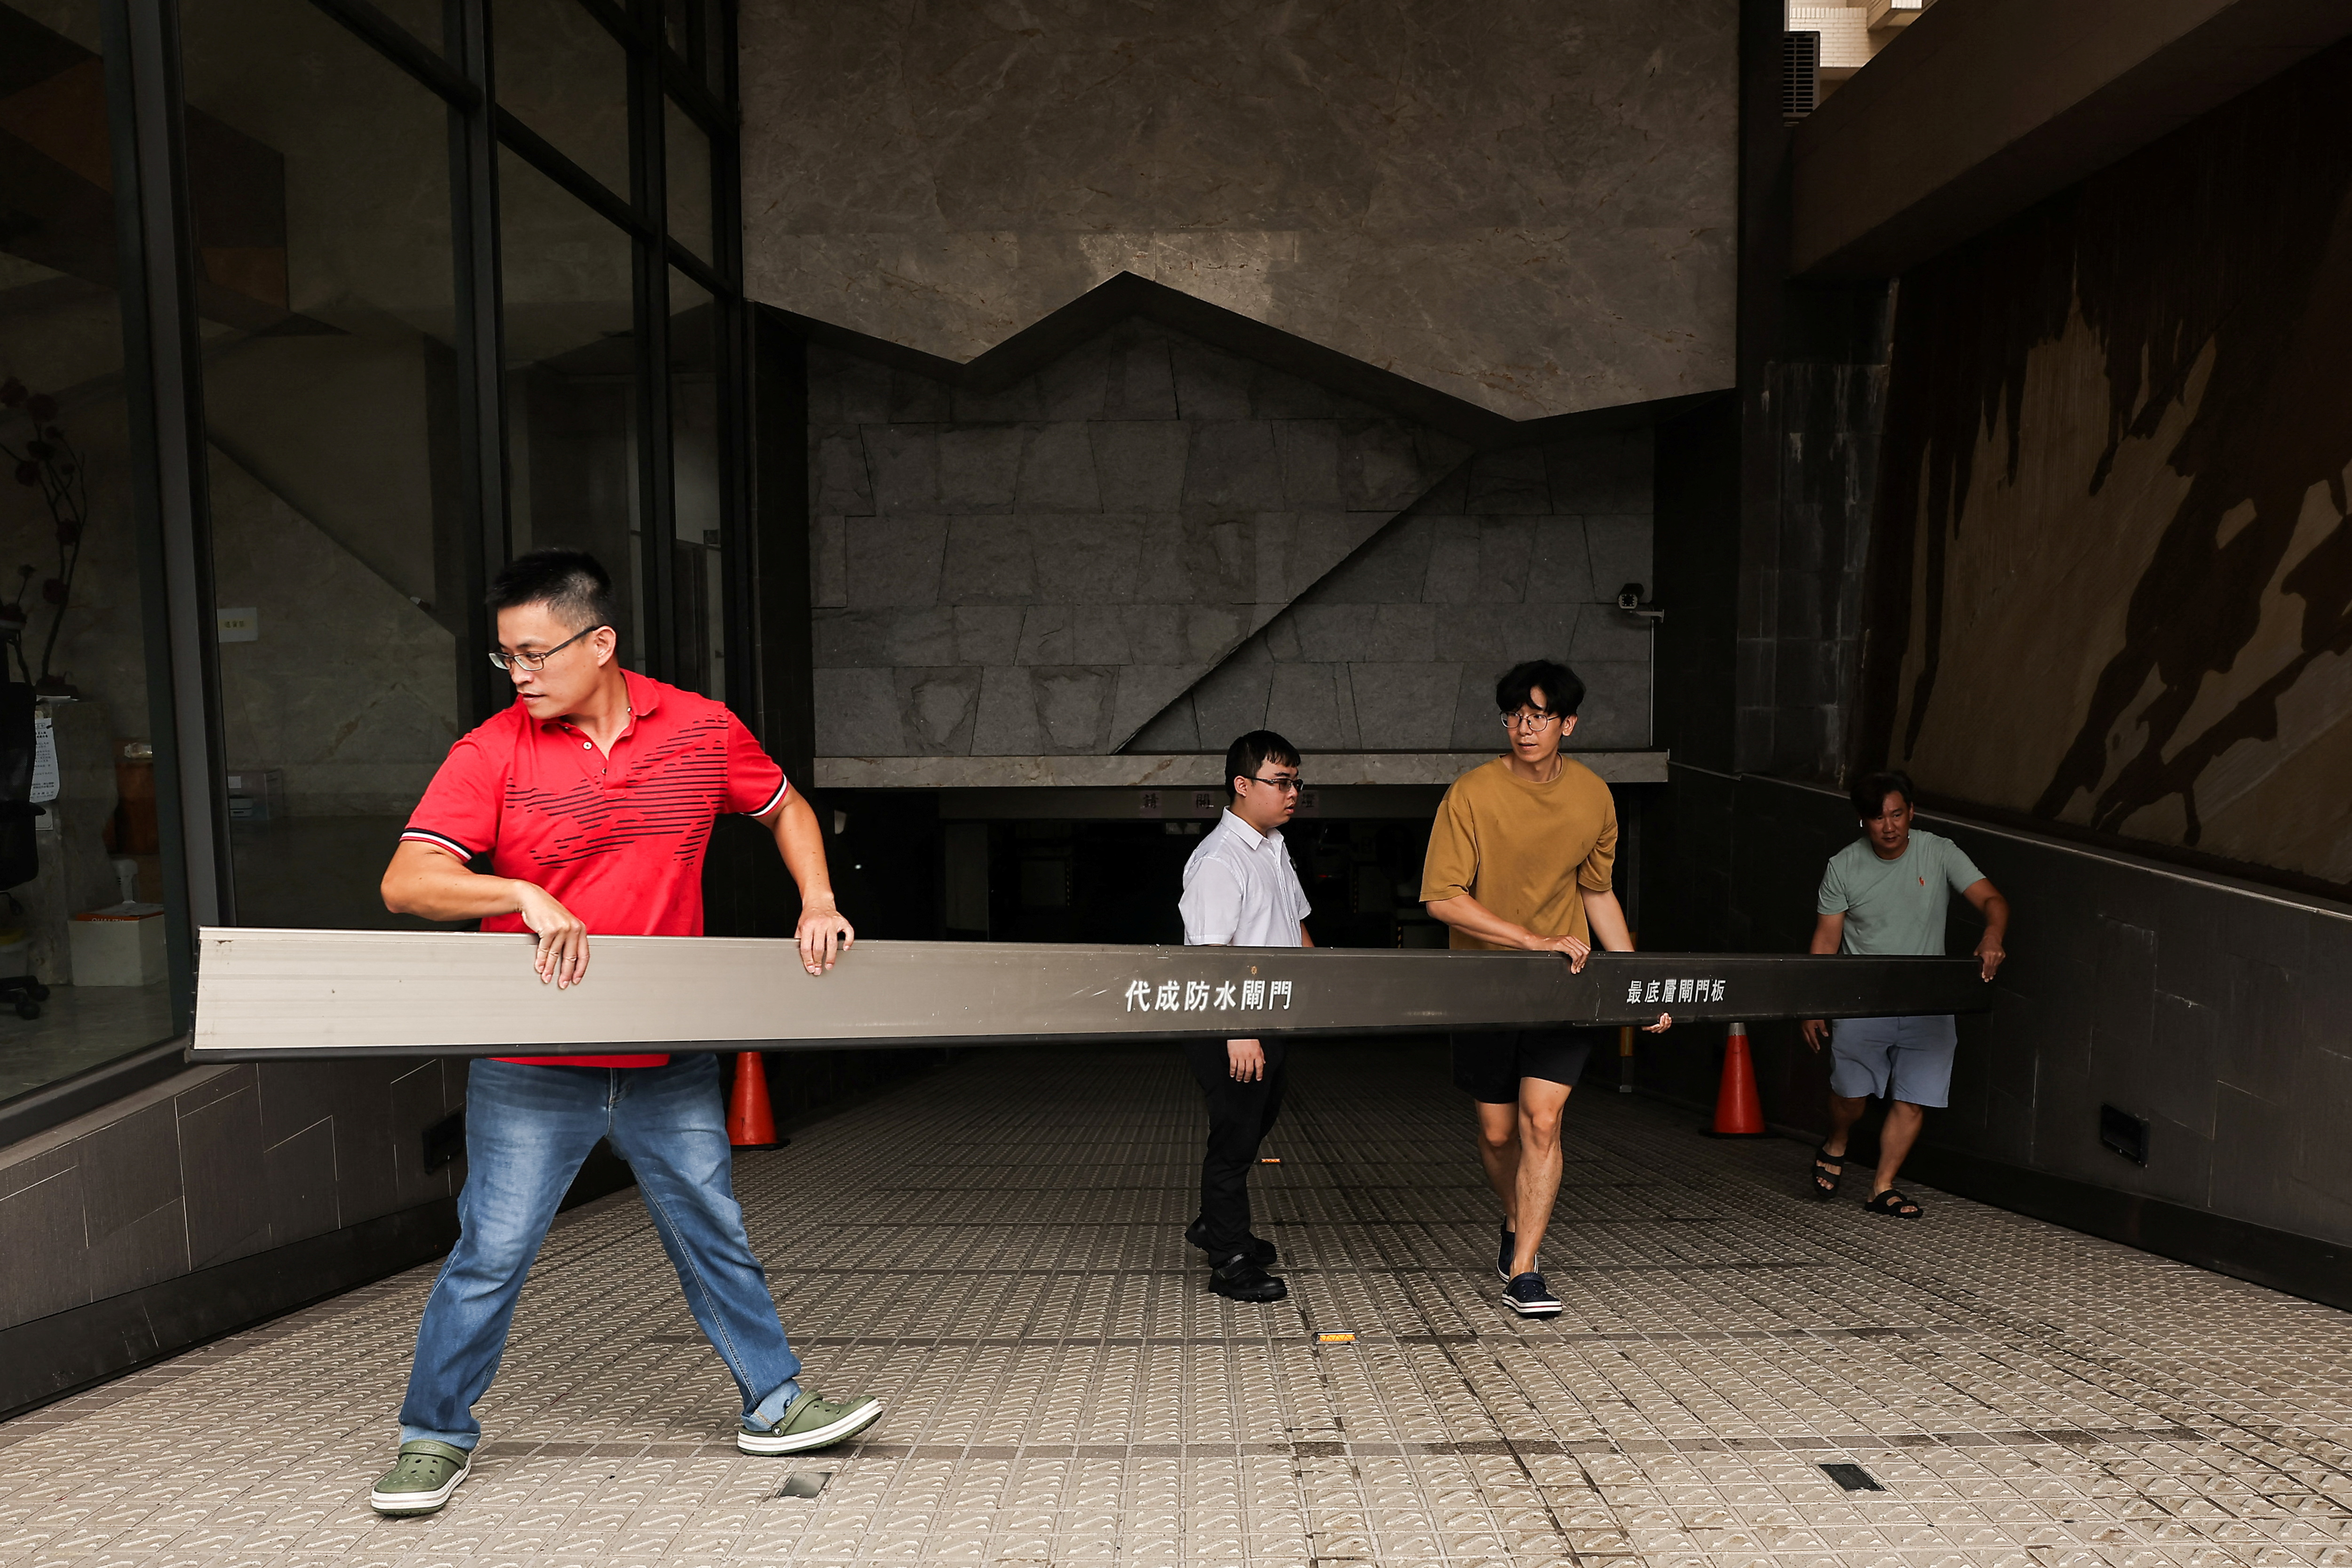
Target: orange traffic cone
(1738,1111)
(750,1124)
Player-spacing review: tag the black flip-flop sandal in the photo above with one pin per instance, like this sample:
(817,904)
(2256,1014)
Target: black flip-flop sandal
(1825,1181)
(1891,1202)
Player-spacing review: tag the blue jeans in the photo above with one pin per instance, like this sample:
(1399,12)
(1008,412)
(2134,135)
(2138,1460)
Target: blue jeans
(527,1131)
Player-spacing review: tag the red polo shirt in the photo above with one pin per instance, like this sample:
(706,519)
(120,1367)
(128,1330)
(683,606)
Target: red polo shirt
(619,839)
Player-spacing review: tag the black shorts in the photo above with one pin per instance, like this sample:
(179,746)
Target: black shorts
(1487,1065)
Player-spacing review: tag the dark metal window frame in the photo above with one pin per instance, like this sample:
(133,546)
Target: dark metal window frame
(463,73)
(164,389)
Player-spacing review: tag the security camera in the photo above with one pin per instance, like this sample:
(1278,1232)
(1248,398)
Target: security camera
(1629,599)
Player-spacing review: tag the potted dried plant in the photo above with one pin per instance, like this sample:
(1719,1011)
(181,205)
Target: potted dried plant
(46,461)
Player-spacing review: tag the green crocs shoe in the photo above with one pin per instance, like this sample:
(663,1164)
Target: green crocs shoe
(810,1423)
(422,1478)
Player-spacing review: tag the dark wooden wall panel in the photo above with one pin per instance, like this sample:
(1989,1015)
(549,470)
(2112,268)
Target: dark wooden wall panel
(2113,573)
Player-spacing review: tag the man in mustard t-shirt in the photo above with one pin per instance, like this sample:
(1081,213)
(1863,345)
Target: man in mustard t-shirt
(1521,857)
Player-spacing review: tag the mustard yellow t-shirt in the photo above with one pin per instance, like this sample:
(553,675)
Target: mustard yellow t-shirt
(1526,851)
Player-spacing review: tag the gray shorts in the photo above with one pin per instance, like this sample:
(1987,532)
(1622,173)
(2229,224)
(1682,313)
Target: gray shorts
(1901,1059)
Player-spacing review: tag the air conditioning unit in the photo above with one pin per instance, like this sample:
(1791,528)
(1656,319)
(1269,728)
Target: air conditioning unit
(1801,75)
(1887,13)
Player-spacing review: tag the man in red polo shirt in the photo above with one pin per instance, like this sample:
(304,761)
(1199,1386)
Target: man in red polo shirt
(592,798)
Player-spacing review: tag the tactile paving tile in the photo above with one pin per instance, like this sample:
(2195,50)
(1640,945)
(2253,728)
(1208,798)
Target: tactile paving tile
(995,1251)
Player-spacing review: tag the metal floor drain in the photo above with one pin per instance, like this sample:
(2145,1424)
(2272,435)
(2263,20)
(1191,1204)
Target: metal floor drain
(804,1483)
(1852,1477)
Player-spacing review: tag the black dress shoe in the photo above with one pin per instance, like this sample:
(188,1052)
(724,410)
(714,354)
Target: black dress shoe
(1258,1249)
(1241,1279)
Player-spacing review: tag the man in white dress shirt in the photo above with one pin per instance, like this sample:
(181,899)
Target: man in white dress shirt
(1240,890)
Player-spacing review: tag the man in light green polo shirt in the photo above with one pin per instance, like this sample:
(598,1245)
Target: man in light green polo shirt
(1886,893)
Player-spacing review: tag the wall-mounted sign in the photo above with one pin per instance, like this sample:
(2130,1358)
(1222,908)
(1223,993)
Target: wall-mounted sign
(44,762)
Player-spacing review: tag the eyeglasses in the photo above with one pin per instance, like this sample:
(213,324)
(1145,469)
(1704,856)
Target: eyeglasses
(1527,718)
(1290,785)
(538,660)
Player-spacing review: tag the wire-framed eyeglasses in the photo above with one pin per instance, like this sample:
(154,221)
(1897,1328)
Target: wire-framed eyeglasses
(1528,719)
(535,661)
(1290,785)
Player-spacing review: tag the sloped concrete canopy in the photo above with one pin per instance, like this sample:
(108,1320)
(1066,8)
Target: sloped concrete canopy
(1524,207)
(1981,107)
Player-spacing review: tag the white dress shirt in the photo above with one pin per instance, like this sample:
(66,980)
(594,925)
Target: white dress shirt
(1240,889)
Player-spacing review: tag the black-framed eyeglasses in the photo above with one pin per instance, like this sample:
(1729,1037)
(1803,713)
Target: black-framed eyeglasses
(1290,785)
(1527,718)
(534,661)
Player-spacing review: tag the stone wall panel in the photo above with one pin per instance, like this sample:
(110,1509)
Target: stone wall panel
(1433,606)
(1293,530)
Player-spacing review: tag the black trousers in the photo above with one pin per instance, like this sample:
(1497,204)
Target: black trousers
(1240,1116)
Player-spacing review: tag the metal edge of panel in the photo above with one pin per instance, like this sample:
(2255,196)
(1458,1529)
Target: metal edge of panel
(375,992)
(1173,772)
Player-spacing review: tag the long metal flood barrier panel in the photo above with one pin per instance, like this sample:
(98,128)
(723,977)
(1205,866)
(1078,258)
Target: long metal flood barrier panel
(265,995)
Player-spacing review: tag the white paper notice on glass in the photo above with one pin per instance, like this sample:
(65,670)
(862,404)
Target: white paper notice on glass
(45,760)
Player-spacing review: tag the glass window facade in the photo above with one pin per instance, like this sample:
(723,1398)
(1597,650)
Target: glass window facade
(688,153)
(697,503)
(563,76)
(572,420)
(332,474)
(78,830)
(398,317)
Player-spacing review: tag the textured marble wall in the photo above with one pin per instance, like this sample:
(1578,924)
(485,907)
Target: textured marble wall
(1516,556)
(1528,206)
(1153,544)
(1046,569)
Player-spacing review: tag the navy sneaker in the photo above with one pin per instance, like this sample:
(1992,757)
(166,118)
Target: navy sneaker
(1258,1249)
(1502,1257)
(1528,1297)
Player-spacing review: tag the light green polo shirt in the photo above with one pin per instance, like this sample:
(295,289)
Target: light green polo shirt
(1895,907)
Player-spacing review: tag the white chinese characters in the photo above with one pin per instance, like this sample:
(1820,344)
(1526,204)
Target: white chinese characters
(1201,996)
(1678,990)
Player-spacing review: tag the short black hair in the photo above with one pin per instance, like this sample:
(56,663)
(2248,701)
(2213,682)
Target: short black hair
(572,584)
(1871,790)
(1558,682)
(1253,752)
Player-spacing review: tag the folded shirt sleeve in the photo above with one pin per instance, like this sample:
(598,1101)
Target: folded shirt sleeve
(1451,867)
(755,785)
(459,811)
(1598,874)
(1212,905)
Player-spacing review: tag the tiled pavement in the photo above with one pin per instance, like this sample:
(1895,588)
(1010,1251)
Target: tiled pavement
(995,1251)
